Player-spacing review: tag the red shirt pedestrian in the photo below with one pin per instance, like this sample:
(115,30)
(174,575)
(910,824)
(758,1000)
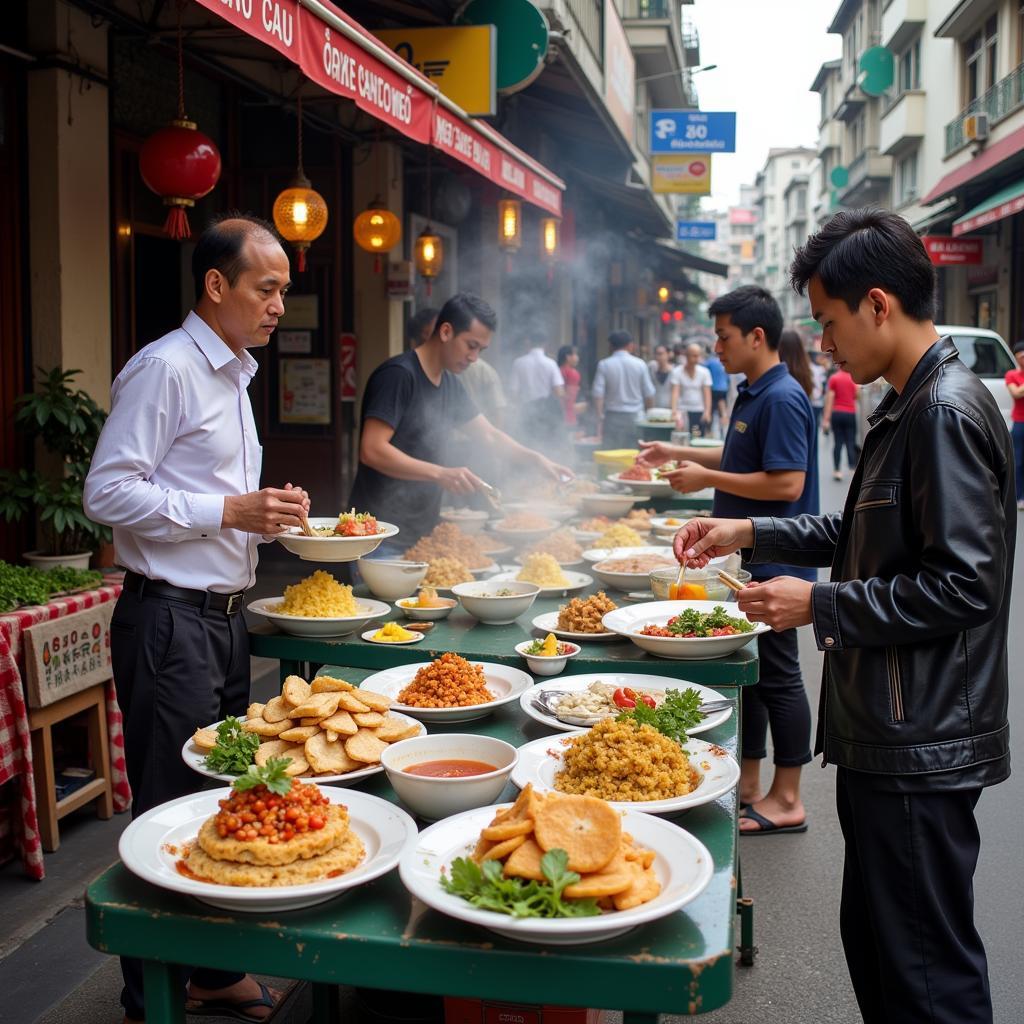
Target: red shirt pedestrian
(844,392)
(1016,377)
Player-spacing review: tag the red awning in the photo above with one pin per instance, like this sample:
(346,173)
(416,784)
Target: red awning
(344,58)
(989,158)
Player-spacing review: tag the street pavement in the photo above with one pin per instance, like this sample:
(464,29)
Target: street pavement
(49,974)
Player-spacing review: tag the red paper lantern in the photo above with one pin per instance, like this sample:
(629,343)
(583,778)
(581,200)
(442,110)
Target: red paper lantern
(180,164)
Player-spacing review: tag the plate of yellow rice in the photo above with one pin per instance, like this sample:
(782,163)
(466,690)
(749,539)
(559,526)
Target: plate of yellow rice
(319,606)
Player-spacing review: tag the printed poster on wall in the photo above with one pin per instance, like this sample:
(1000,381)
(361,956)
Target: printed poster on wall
(305,391)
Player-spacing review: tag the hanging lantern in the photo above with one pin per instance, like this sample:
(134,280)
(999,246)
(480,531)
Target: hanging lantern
(377,230)
(510,226)
(300,212)
(549,228)
(429,256)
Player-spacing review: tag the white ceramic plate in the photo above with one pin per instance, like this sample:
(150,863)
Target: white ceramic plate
(195,759)
(369,634)
(485,570)
(504,682)
(309,625)
(646,488)
(718,770)
(333,549)
(498,553)
(585,536)
(548,623)
(649,684)
(426,614)
(577,581)
(519,559)
(629,621)
(145,847)
(593,555)
(662,527)
(682,864)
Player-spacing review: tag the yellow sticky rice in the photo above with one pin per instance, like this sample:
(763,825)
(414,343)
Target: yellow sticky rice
(319,596)
(543,570)
(619,536)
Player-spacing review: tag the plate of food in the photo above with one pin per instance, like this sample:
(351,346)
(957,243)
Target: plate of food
(546,573)
(523,527)
(427,605)
(574,870)
(581,701)
(450,688)
(393,634)
(493,546)
(579,619)
(448,544)
(193,845)
(599,554)
(350,536)
(560,545)
(469,520)
(340,740)
(319,606)
(615,760)
(684,630)
(643,482)
(667,526)
(627,572)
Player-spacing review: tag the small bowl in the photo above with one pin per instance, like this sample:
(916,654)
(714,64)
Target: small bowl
(468,520)
(410,611)
(611,505)
(662,579)
(540,665)
(516,536)
(480,600)
(390,579)
(434,799)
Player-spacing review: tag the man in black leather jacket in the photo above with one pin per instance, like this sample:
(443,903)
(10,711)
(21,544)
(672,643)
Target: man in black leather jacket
(913,622)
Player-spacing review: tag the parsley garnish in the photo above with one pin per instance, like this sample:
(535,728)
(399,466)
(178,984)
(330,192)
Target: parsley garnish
(235,748)
(695,623)
(271,775)
(486,887)
(677,714)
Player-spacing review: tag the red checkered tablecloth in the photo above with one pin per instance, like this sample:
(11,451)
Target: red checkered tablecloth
(15,740)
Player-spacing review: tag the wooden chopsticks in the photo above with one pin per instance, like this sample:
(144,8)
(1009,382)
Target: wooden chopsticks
(730,581)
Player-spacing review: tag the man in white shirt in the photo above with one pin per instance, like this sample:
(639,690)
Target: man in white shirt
(538,387)
(176,473)
(691,392)
(622,390)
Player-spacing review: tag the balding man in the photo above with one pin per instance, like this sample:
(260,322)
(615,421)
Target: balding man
(176,474)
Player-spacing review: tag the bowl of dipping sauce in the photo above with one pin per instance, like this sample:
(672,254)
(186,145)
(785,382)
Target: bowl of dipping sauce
(698,584)
(427,605)
(445,773)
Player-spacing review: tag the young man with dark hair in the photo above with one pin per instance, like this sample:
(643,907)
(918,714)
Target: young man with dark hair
(768,466)
(412,404)
(913,623)
(622,389)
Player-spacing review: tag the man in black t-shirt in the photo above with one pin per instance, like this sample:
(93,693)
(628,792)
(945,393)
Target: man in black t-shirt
(412,404)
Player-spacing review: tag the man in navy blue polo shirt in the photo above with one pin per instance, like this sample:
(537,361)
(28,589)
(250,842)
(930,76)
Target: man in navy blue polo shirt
(768,467)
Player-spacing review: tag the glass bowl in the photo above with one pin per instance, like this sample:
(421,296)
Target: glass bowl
(708,578)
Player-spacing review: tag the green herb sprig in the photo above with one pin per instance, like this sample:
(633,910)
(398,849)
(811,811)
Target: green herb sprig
(235,748)
(674,717)
(691,621)
(272,775)
(486,887)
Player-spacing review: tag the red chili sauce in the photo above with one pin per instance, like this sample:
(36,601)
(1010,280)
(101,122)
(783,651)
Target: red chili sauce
(451,769)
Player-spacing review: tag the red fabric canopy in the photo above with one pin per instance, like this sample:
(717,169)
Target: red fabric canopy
(989,158)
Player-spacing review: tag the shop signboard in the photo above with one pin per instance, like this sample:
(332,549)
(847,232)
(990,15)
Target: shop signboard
(693,131)
(619,72)
(305,391)
(945,251)
(681,173)
(696,230)
(461,61)
(67,655)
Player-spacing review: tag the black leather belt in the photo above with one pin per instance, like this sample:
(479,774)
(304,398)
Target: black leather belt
(229,604)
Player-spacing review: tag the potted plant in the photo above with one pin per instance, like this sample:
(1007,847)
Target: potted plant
(68,422)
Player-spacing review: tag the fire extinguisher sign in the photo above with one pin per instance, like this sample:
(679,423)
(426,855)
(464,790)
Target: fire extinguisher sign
(348,367)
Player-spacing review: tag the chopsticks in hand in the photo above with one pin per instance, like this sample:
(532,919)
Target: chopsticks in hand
(730,581)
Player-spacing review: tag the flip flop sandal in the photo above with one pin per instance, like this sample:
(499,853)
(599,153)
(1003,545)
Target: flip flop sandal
(766,826)
(236,1009)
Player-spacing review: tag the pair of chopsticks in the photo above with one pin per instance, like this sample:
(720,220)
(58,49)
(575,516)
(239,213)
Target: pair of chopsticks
(727,578)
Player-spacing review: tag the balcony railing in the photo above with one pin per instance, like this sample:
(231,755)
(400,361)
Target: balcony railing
(656,10)
(1006,96)
(588,16)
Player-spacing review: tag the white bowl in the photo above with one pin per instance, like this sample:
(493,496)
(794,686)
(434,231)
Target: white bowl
(629,621)
(600,554)
(661,527)
(514,536)
(434,799)
(608,504)
(478,599)
(410,611)
(644,488)
(628,581)
(541,665)
(389,579)
(548,509)
(310,625)
(468,520)
(333,549)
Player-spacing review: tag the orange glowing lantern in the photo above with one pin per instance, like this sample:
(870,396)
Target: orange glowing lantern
(429,256)
(377,230)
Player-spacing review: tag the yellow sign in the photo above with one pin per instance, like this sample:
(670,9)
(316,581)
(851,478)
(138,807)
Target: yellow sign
(461,61)
(681,172)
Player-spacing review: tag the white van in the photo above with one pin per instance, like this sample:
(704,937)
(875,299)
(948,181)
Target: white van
(988,356)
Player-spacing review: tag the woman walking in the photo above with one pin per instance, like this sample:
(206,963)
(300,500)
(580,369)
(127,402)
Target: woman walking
(568,359)
(841,417)
(1015,385)
(661,376)
(691,392)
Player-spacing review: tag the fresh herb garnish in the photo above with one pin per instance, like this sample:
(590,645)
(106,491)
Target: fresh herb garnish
(486,887)
(674,717)
(272,775)
(691,622)
(235,748)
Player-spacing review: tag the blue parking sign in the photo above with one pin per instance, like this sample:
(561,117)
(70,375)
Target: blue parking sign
(695,230)
(693,131)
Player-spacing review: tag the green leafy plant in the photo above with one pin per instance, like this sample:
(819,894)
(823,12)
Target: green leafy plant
(677,714)
(272,775)
(235,748)
(68,422)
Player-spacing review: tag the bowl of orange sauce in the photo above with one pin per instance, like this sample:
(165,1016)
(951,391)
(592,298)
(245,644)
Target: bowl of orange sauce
(698,584)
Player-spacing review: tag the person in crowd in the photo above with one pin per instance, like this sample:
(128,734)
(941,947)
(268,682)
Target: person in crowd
(539,390)
(661,368)
(483,384)
(568,360)
(1015,385)
(913,623)
(691,392)
(622,390)
(794,355)
(411,405)
(768,466)
(819,380)
(719,393)
(420,327)
(176,473)
(840,417)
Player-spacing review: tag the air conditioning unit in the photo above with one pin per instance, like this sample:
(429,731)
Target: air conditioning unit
(976,127)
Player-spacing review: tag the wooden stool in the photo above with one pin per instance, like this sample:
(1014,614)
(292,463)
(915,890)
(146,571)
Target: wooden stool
(41,721)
